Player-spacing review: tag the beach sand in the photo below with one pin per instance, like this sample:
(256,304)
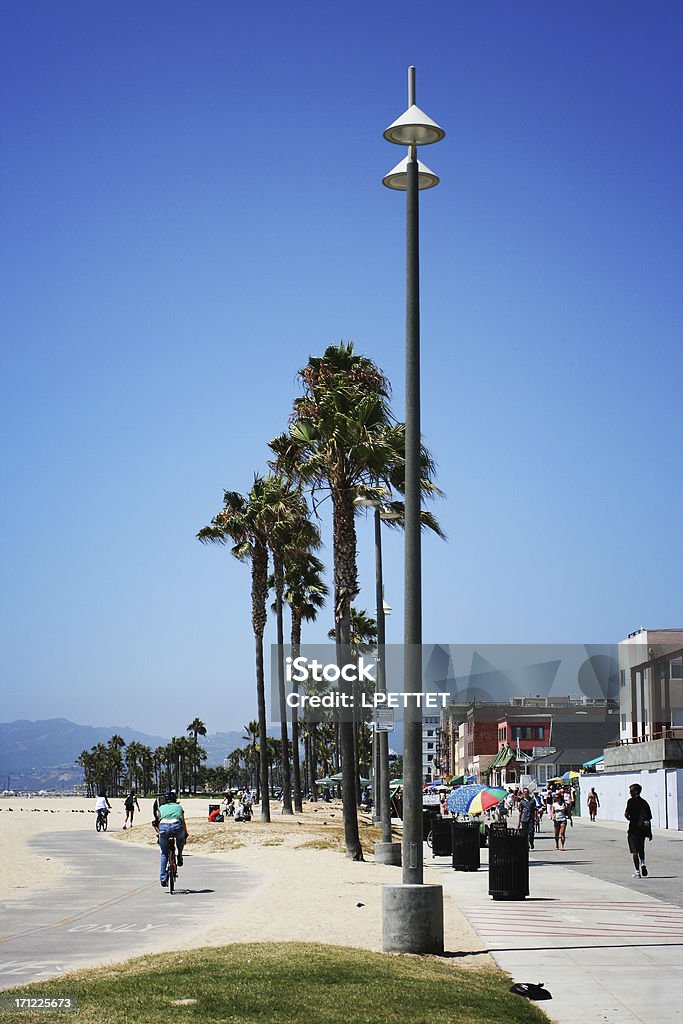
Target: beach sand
(307,889)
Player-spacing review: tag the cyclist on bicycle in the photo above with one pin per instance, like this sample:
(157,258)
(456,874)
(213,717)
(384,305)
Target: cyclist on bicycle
(102,805)
(169,818)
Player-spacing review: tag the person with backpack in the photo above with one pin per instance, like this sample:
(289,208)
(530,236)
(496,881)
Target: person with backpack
(130,805)
(639,818)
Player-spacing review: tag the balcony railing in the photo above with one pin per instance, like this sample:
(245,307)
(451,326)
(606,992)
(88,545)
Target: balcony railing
(672,733)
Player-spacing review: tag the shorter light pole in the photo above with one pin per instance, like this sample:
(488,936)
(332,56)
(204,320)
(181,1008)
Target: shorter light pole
(386,851)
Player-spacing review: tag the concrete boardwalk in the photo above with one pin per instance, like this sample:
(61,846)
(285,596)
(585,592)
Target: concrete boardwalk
(608,947)
(109,907)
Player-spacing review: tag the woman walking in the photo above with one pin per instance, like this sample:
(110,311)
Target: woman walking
(558,813)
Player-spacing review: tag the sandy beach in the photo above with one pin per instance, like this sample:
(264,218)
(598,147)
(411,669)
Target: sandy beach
(307,889)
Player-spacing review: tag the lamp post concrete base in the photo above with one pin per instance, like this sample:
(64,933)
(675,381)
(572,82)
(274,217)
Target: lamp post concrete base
(412,919)
(388,853)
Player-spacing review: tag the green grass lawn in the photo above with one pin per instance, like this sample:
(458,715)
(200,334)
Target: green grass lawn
(284,983)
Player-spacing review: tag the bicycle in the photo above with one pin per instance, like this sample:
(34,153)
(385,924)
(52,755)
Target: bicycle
(101,820)
(172,866)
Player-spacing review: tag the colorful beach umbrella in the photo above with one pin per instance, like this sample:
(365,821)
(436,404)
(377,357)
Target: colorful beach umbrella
(460,799)
(568,776)
(485,800)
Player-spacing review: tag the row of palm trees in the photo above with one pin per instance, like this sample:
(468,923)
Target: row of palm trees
(342,442)
(108,767)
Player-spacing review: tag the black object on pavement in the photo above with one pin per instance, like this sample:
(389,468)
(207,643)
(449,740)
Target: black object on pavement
(508,864)
(530,990)
(441,837)
(465,845)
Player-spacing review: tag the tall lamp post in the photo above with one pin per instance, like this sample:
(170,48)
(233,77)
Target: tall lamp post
(412,914)
(386,851)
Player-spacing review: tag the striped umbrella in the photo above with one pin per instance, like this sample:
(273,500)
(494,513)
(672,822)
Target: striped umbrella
(487,799)
(460,799)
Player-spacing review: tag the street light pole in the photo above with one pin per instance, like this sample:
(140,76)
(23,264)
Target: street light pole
(386,852)
(412,914)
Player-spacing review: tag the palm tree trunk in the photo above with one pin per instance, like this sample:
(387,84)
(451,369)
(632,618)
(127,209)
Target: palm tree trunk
(296,768)
(313,760)
(346,729)
(259,597)
(345,589)
(286,777)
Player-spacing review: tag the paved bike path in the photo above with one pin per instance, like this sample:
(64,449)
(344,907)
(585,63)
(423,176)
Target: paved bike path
(109,907)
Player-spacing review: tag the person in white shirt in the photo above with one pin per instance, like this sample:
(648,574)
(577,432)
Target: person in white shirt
(102,805)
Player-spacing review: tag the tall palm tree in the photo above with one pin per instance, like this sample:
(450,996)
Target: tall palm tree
(245,521)
(339,440)
(289,533)
(343,438)
(197,728)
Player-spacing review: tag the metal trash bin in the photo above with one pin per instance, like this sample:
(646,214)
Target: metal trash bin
(508,864)
(429,816)
(465,845)
(441,837)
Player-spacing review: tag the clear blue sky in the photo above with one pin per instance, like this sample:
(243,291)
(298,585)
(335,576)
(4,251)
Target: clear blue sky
(191,205)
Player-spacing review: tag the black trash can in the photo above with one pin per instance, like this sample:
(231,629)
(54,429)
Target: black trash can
(508,864)
(429,816)
(441,837)
(465,845)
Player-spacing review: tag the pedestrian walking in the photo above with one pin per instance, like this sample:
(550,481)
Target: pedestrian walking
(593,803)
(130,805)
(639,818)
(527,816)
(558,813)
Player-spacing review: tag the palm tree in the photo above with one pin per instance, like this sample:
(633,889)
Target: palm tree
(197,728)
(291,536)
(115,745)
(343,438)
(251,731)
(305,593)
(244,521)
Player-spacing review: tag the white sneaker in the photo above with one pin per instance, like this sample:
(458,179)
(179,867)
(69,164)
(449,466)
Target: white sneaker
(636,874)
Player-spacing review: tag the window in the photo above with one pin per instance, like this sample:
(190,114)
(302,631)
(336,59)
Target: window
(677,668)
(430,746)
(622,677)
(430,732)
(623,723)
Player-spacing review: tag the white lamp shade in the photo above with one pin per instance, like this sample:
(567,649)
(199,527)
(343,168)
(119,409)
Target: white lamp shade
(414,128)
(397,177)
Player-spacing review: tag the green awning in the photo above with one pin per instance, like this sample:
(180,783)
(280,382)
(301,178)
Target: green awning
(502,758)
(457,780)
(596,760)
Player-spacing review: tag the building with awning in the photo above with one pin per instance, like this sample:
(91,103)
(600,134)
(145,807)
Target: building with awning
(499,768)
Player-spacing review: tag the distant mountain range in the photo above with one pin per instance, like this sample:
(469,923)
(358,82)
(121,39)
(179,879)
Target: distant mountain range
(42,755)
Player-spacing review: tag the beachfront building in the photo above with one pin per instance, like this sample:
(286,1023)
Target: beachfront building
(431,762)
(650,684)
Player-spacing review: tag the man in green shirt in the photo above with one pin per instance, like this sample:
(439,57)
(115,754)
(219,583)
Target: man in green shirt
(170,819)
